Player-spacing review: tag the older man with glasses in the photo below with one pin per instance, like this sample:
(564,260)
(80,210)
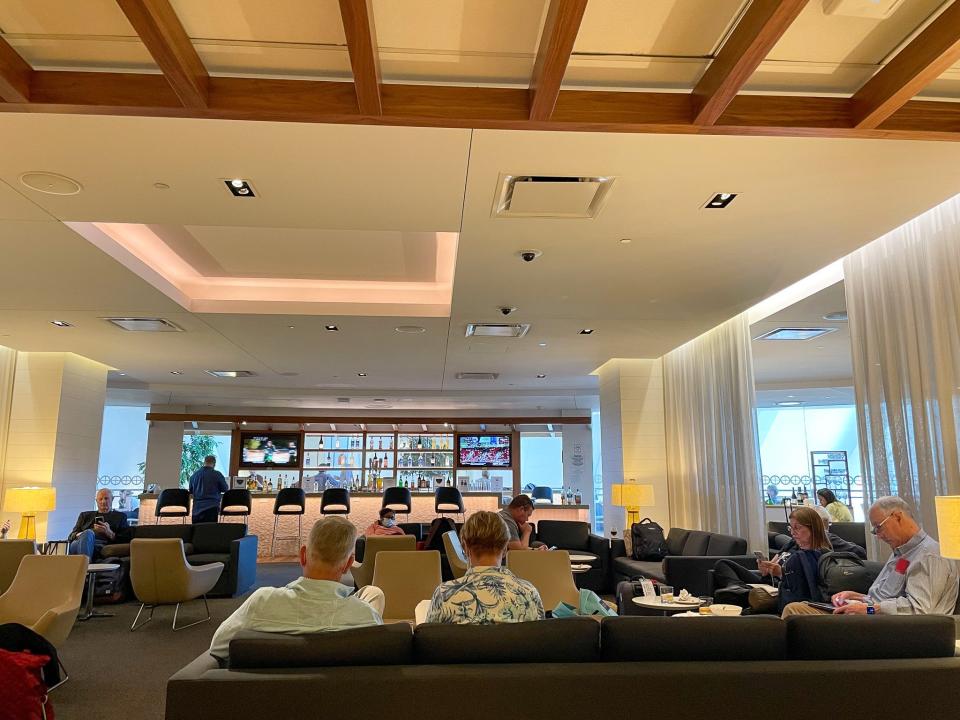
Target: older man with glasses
(915,580)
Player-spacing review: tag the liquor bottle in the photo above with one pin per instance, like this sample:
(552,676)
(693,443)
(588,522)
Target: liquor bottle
(419,442)
(321,442)
(269,485)
(380,444)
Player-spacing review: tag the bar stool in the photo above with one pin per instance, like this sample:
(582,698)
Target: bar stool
(290,501)
(398,499)
(236,503)
(542,493)
(173,502)
(448,500)
(335,501)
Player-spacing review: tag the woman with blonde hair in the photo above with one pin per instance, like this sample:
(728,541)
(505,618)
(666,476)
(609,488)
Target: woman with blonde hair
(487,593)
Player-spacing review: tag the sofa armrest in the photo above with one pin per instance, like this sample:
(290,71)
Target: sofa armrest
(618,548)
(243,563)
(690,571)
(600,547)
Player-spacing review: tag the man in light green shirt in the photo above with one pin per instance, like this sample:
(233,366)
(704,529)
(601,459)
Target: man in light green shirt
(317,601)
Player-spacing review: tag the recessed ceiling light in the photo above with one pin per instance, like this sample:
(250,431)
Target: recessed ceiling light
(239,187)
(243,422)
(541,376)
(176,372)
(161,186)
(789,333)
(361,374)
(790,396)
(331,328)
(121,374)
(587,331)
(291,327)
(230,373)
(542,344)
(410,329)
(720,201)
(60,323)
(626,241)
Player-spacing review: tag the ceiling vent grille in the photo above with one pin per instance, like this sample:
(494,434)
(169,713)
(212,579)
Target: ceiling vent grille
(551,196)
(230,373)
(503,330)
(477,376)
(795,333)
(143,324)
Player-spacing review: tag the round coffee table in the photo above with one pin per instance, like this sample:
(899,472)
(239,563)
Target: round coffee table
(582,559)
(92,570)
(667,608)
(579,568)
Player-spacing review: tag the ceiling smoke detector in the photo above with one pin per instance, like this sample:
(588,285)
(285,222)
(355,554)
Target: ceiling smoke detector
(504,330)
(132,324)
(557,196)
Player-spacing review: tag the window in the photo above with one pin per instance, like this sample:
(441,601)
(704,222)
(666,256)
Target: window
(197,446)
(541,461)
(123,454)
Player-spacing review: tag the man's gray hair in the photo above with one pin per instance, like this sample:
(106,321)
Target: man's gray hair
(824,515)
(891,503)
(331,540)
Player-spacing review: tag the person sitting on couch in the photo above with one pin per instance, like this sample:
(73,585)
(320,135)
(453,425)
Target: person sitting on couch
(313,603)
(386,525)
(916,579)
(487,593)
(838,511)
(517,517)
(97,528)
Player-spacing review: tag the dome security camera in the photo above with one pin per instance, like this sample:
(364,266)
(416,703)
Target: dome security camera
(507,310)
(529,255)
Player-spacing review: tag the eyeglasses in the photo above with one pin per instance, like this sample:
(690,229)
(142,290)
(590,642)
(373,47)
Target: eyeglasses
(876,528)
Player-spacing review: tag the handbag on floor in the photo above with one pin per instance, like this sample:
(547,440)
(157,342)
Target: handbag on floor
(23,693)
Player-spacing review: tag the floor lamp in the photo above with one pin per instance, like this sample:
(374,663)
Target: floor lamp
(948,525)
(632,496)
(28,501)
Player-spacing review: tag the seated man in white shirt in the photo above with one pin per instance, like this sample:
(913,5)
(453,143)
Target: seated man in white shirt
(313,603)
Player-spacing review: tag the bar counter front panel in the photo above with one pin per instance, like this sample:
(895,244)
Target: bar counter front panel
(364,509)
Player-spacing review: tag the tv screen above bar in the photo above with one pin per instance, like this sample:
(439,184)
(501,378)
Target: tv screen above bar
(483,451)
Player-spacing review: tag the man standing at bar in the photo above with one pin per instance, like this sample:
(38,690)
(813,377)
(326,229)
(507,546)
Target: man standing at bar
(206,486)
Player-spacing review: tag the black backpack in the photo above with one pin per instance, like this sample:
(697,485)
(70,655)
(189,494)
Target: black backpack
(648,541)
(838,571)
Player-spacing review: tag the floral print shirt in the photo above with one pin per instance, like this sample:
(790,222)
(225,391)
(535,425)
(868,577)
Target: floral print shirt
(485,595)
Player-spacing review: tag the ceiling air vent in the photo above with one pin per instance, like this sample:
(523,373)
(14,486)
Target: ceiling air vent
(787,333)
(556,196)
(230,373)
(343,400)
(477,376)
(144,324)
(513,330)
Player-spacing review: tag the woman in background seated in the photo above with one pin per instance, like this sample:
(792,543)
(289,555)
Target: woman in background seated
(386,525)
(838,511)
(487,593)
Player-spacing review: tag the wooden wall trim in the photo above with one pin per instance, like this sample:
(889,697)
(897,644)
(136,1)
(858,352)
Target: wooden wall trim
(15,75)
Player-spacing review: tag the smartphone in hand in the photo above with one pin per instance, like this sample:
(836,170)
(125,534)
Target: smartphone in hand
(759,556)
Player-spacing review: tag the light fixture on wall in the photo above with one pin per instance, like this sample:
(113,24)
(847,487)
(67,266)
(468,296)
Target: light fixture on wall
(28,501)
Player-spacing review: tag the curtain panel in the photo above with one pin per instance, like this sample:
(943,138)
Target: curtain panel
(712,450)
(903,296)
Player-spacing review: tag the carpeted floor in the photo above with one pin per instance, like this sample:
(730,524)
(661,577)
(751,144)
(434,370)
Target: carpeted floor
(124,674)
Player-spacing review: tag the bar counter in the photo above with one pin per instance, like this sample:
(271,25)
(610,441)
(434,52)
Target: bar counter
(364,509)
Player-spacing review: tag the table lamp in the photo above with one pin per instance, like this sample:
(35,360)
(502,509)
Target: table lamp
(948,523)
(632,496)
(28,501)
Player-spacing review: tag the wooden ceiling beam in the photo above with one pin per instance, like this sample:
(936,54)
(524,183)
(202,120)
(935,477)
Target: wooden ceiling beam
(748,45)
(69,92)
(556,45)
(361,36)
(15,75)
(161,31)
(923,60)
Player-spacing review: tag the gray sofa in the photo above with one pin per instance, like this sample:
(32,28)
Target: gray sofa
(691,554)
(579,668)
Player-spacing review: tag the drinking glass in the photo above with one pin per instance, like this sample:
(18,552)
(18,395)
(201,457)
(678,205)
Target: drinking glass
(705,602)
(666,593)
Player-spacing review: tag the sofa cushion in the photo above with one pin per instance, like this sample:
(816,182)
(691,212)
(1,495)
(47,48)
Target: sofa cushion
(696,543)
(639,568)
(680,639)
(120,550)
(542,641)
(724,545)
(205,558)
(216,537)
(852,637)
(565,534)
(675,540)
(171,530)
(375,645)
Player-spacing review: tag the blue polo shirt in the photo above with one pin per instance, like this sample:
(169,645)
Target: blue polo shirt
(206,486)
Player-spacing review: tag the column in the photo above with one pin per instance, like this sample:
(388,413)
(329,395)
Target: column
(633,442)
(578,463)
(53,435)
(164,450)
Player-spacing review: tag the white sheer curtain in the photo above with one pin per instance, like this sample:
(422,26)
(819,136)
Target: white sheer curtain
(712,455)
(8,364)
(903,296)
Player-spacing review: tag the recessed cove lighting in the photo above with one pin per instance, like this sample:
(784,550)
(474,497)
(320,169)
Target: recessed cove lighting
(720,201)
(587,331)
(789,403)
(542,344)
(786,333)
(60,323)
(410,329)
(331,328)
(239,187)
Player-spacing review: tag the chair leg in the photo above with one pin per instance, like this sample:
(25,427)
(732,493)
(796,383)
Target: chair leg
(273,538)
(196,622)
(299,531)
(137,627)
(66,676)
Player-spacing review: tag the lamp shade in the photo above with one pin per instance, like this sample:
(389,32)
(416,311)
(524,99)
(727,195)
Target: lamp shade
(632,495)
(948,523)
(30,499)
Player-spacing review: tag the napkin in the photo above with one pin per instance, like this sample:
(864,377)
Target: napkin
(685,596)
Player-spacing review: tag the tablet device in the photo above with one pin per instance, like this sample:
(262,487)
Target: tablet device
(826,607)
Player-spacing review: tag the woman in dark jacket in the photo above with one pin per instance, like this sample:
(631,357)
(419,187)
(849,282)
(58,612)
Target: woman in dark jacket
(797,570)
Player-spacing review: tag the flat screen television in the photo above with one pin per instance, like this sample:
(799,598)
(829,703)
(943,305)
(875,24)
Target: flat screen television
(483,451)
(269,449)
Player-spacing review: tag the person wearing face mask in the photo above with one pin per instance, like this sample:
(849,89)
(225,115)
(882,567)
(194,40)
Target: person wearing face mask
(386,525)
